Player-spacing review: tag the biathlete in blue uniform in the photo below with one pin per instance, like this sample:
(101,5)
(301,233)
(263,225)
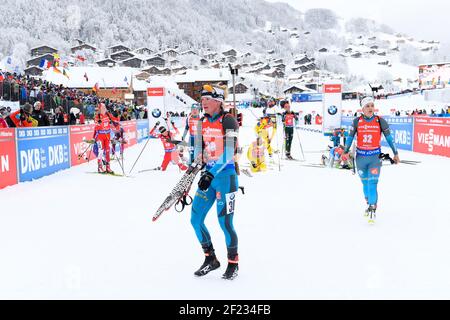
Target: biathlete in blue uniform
(216,140)
(369,128)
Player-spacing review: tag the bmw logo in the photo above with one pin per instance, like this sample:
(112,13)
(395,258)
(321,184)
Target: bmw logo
(156,113)
(332,110)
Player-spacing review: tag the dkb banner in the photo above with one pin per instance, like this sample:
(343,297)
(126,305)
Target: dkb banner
(143,129)
(42,151)
(402,129)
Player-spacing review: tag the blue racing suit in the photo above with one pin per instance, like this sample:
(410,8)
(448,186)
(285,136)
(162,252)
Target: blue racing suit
(224,186)
(368,162)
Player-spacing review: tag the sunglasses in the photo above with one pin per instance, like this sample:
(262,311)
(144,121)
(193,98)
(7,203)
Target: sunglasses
(210,91)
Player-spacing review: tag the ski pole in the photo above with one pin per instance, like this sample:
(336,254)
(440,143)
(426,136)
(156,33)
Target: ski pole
(278,145)
(139,155)
(301,148)
(89,155)
(120,164)
(84,152)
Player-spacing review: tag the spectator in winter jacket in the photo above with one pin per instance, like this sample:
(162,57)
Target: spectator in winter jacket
(59,117)
(73,119)
(40,115)
(82,118)
(21,118)
(3,123)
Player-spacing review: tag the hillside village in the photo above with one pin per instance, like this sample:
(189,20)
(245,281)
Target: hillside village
(356,60)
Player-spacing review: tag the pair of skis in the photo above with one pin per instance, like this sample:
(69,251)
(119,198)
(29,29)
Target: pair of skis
(180,193)
(387,157)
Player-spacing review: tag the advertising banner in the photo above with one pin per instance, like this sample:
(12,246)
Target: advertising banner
(42,151)
(402,129)
(306,97)
(80,151)
(8,172)
(129,132)
(143,128)
(432,136)
(332,106)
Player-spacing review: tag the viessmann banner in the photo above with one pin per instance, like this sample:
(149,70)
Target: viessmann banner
(8,166)
(42,151)
(432,136)
(80,150)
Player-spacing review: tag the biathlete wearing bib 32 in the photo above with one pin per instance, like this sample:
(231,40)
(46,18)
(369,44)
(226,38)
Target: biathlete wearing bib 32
(368,149)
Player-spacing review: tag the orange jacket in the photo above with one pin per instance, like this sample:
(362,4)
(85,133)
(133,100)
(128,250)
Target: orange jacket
(15,118)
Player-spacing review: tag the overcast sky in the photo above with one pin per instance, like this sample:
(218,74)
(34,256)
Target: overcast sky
(427,19)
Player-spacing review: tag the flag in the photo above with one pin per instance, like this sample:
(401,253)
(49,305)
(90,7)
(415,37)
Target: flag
(125,80)
(81,58)
(9,61)
(114,90)
(86,77)
(56,70)
(45,64)
(1,77)
(66,74)
(95,88)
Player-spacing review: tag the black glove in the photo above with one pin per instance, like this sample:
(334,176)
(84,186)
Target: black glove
(205,180)
(173,123)
(254,165)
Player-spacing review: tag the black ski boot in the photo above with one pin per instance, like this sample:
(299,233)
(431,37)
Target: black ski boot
(232,269)
(211,263)
(289,157)
(371,213)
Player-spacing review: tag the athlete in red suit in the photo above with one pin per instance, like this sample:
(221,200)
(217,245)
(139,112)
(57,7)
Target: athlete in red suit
(170,149)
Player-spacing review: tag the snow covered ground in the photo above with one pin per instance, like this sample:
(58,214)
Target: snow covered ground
(302,234)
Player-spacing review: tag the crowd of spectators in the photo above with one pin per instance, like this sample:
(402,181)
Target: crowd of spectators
(59,104)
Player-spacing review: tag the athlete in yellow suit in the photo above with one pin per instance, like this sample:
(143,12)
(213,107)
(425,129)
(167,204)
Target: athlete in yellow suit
(255,154)
(262,130)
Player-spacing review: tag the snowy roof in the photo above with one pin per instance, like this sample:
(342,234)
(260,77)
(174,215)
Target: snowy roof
(140,85)
(105,77)
(84,44)
(299,86)
(41,56)
(132,58)
(44,45)
(119,45)
(204,75)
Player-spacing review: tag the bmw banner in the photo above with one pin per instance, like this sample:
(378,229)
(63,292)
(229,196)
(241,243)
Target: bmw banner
(332,106)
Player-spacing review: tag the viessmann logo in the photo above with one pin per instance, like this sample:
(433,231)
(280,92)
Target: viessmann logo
(212,131)
(366,127)
(336,88)
(433,140)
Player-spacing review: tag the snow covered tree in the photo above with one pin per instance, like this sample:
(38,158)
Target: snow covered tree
(320,18)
